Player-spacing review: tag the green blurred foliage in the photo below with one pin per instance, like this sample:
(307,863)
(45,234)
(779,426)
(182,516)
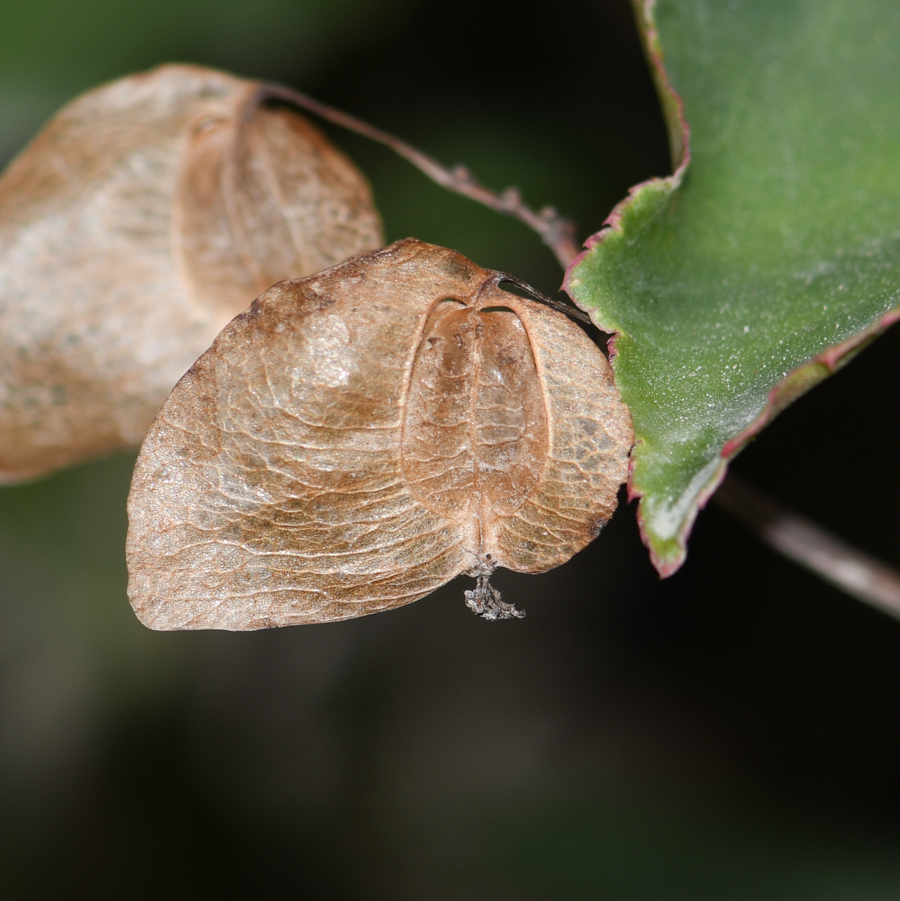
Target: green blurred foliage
(50,51)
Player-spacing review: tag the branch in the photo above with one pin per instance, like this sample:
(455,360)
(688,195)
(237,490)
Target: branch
(796,538)
(555,231)
(859,575)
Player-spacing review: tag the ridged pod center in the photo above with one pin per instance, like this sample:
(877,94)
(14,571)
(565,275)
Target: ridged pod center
(475,439)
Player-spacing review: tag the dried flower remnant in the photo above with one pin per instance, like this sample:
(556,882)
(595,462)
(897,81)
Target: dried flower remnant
(144,216)
(362,436)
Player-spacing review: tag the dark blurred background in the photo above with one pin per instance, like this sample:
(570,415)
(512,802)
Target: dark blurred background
(731,733)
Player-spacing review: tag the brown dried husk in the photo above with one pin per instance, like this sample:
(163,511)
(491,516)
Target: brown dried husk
(360,437)
(144,216)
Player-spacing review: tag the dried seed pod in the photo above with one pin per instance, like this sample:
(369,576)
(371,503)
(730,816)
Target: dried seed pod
(360,437)
(143,217)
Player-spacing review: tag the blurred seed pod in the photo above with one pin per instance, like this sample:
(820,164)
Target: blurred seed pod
(362,436)
(145,215)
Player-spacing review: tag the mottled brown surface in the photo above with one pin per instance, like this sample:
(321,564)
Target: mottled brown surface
(143,217)
(361,437)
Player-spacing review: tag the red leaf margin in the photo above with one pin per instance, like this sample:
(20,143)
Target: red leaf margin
(794,384)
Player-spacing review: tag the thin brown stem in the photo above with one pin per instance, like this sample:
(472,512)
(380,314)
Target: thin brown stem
(859,575)
(555,231)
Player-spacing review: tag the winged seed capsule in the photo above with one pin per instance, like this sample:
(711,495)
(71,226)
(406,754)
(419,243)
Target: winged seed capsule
(145,215)
(362,436)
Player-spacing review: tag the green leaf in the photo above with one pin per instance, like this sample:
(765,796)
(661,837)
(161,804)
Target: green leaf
(773,252)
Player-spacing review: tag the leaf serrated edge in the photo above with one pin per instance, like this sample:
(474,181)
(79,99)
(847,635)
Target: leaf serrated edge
(669,554)
(791,388)
(679,148)
(806,376)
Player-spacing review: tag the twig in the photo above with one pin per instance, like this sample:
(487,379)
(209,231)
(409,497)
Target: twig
(859,575)
(567,309)
(798,539)
(554,230)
